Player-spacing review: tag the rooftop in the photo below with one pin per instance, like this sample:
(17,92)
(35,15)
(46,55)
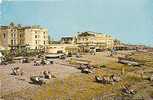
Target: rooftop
(19,26)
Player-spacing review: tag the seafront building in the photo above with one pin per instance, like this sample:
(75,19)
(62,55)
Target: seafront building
(11,36)
(93,39)
(83,42)
(67,40)
(17,36)
(62,48)
(99,40)
(35,37)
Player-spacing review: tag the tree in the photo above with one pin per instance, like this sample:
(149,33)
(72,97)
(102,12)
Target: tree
(12,24)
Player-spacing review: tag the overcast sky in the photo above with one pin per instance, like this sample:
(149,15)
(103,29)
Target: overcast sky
(128,20)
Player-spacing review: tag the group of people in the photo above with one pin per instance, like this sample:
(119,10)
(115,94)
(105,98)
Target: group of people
(17,71)
(2,59)
(47,74)
(108,80)
(112,52)
(126,90)
(93,51)
(42,62)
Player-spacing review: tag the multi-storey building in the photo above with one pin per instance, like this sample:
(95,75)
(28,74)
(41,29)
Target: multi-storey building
(89,40)
(36,37)
(67,40)
(98,40)
(13,36)
(10,36)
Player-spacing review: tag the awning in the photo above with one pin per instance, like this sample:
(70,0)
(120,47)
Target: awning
(53,55)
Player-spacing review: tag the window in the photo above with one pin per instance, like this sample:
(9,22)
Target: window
(12,34)
(35,36)
(11,42)
(4,35)
(36,41)
(44,42)
(20,41)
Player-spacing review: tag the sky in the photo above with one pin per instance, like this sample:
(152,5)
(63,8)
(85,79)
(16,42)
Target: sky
(130,21)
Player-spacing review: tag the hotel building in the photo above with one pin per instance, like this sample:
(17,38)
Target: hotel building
(15,36)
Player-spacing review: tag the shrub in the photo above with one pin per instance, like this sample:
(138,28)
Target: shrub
(102,66)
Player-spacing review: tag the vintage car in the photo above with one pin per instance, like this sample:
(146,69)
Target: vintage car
(86,70)
(37,80)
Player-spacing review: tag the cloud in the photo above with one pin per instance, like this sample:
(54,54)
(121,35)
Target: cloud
(0,1)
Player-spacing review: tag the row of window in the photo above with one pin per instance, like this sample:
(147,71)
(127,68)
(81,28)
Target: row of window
(86,39)
(38,41)
(12,35)
(13,30)
(39,32)
(38,36)
(13,42)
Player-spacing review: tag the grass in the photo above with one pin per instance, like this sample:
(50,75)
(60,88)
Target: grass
(151,94)
(145,58)
(75,87)
(72,61)
(134,78)
(84,87)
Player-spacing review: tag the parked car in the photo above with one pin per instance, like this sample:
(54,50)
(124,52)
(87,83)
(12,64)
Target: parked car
(37,80)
